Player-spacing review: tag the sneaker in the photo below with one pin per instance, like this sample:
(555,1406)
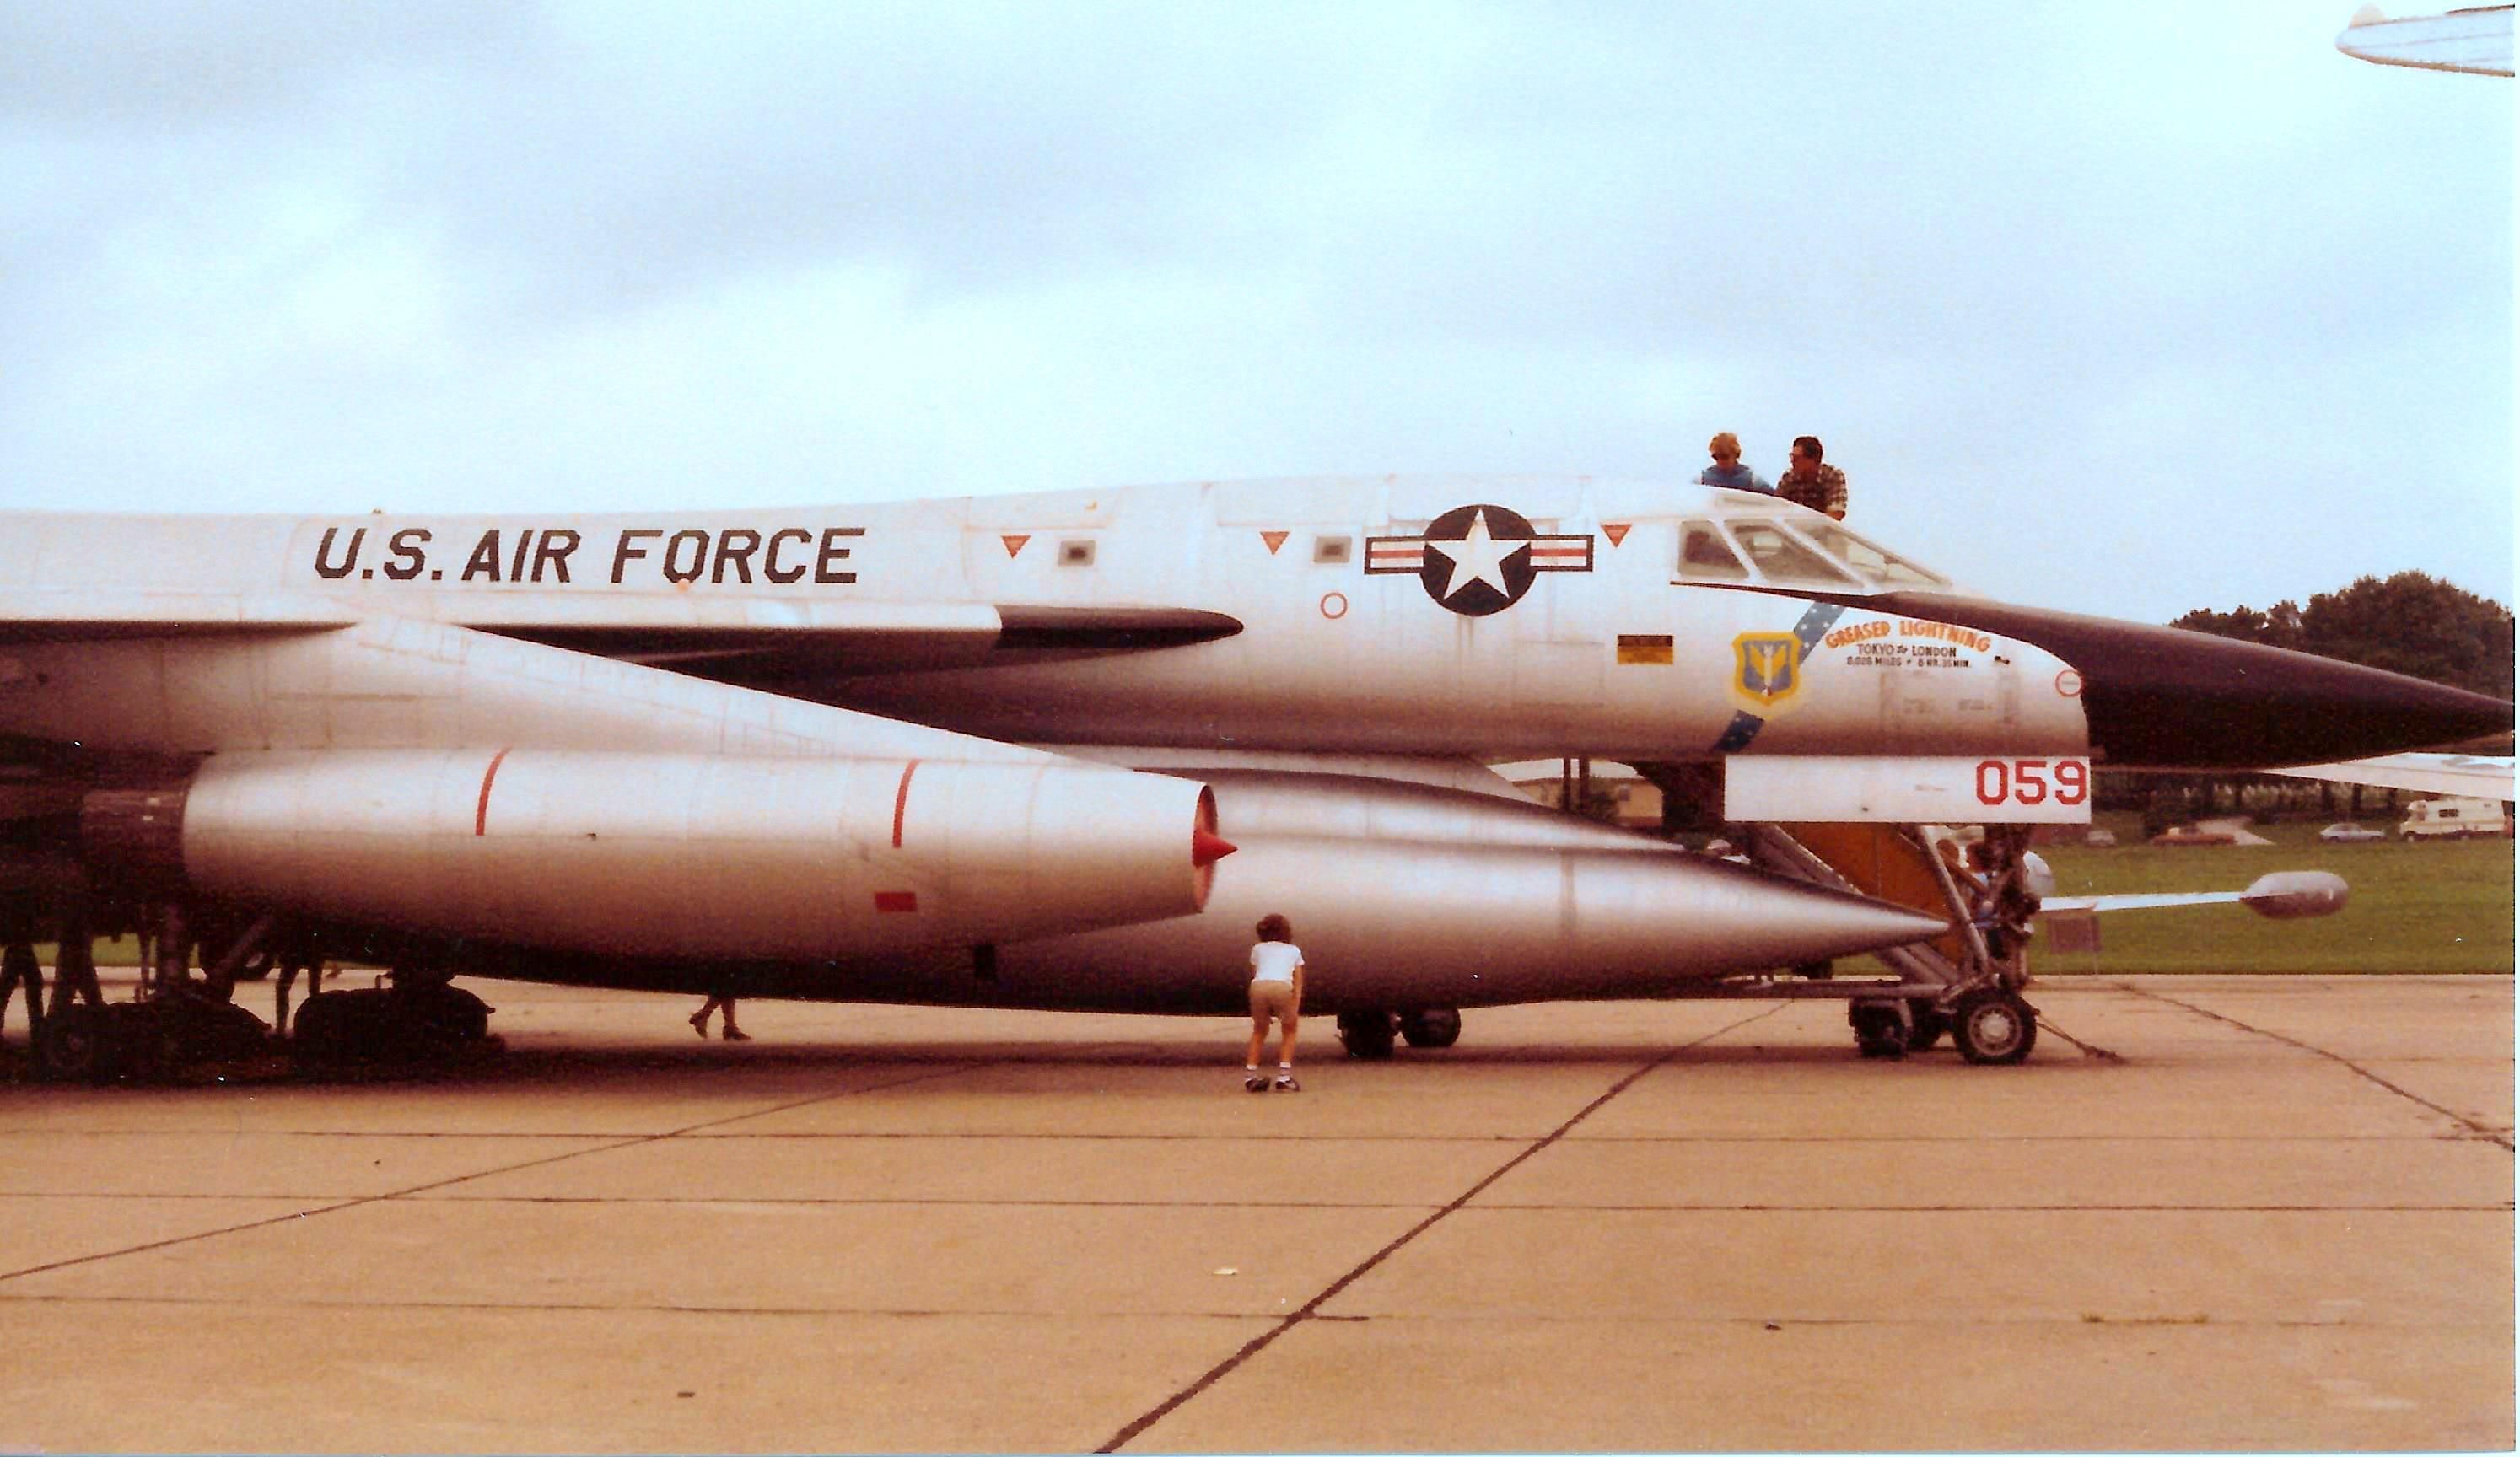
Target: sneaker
(733,1035)
(1254,1082)
(1286,1083)
(699,1024)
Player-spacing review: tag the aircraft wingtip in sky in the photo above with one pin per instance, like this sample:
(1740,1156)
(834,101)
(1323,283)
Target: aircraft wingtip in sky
(2474,41)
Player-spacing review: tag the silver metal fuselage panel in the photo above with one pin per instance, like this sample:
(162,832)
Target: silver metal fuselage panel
(1604,650)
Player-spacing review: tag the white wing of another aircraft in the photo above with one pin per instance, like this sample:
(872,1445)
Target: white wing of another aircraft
(2464,776)
(2476,40)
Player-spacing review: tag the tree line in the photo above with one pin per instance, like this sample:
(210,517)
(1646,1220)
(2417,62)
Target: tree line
(2408,623)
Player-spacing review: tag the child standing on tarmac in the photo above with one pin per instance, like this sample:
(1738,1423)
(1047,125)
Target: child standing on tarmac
(1276,991)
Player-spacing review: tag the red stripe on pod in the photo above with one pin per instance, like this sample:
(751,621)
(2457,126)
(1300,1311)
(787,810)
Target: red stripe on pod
(901,801)
(481,809)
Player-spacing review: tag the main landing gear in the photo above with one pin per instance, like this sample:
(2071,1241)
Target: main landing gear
(175,1021)
(179,1018)
(1371,1035)
(147,1042)
(415,1018)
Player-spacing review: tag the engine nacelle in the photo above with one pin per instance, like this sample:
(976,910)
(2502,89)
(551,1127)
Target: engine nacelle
(676,855)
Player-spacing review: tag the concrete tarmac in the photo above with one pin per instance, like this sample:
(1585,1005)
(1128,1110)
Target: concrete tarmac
(2243,1213)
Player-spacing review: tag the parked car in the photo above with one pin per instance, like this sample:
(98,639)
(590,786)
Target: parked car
(2349,834)
(2188,834)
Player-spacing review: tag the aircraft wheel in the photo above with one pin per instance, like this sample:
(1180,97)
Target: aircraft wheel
(142,1040)
(1928,1027)
(77,1046)
(1994,1026)
(1436,1027)
(373,1025)
(1368,1035)
(1879,1030)
(326,1032)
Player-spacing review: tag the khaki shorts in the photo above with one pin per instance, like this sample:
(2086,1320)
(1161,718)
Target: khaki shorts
(1272,999)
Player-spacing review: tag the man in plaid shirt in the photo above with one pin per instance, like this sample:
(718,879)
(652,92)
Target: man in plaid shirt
(1807,482)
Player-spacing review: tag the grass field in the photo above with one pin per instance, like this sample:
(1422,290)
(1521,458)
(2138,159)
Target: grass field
(2426,906)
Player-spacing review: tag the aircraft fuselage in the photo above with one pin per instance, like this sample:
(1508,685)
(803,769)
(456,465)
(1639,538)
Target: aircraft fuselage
(1558,618)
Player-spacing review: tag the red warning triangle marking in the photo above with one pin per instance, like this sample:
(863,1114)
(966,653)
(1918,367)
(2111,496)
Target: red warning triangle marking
(1275,539)
(1016,544)
(1616,534)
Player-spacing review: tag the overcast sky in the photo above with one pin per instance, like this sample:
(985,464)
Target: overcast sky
(2116,308)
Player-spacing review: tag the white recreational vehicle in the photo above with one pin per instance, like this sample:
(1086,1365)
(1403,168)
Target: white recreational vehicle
(2454,818)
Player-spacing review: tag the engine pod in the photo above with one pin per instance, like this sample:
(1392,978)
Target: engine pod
(695,856)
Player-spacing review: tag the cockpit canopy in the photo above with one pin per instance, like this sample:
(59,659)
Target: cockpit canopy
(1796,548)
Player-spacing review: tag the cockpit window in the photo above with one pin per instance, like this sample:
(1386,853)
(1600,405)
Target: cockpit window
(1867,560)
(1705,556)
(1781,558)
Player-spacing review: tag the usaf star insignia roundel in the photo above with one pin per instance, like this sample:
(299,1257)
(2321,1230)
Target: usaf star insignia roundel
(1477,559)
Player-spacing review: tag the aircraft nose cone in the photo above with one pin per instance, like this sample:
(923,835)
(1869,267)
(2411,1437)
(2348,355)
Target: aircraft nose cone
(2267,706)
(2170,698)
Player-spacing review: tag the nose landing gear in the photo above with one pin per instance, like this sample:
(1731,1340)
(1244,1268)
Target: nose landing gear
(1995,1026)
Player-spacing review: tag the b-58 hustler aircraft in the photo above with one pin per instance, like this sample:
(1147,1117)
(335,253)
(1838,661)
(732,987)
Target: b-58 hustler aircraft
(1062,751)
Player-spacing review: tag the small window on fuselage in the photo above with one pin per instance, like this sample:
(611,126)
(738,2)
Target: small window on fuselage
(1076,554)
(1330,551)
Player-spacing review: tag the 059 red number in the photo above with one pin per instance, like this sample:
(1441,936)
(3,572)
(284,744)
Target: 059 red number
(2028,781)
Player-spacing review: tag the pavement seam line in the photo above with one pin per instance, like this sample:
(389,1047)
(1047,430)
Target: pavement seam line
(394,1194)
(2485,1131)
(826,1312)
(1307,1311)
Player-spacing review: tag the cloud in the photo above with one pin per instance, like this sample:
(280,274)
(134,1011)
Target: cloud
(2152,278)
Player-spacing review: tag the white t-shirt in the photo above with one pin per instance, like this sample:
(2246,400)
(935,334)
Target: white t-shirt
(1276,962)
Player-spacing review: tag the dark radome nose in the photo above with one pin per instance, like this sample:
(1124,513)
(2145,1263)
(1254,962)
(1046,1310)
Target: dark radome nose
(2169,698)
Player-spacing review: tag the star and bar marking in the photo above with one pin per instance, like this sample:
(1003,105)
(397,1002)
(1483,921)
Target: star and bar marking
(1478,559)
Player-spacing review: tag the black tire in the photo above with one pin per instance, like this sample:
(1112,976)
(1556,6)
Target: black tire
(77,1046)
(1368,1036)
(1431,1029)
(1994,1028)
(451,1015)
(1879,1030)
(143,1043)
(323,1033)
(389,1024)
(216,1032)
(1928,1027)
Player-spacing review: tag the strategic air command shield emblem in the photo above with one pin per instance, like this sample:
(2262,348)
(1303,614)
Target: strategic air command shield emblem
(1767,669)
